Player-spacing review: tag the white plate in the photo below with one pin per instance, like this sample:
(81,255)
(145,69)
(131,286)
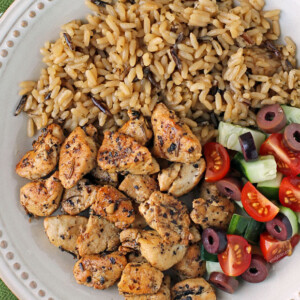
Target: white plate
(29,264)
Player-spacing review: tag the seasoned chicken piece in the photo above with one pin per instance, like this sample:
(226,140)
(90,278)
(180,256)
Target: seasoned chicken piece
(41,198)
(101,177)
(168,216)
(140,279)
(100,235)
(167,176)
(173,139)
(193,289)
(164,293)
(212,209)
(158,253)
(188,176)
(114,207)
(77,157)
(137,127)
(138,187)
(191,266)
(64,230)
(43,159)
(79,197)
(99,272)
(195,235)
(121,153)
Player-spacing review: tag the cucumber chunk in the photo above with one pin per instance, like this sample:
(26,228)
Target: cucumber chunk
(270,188)
(253,231)
(263,169)
(238,225)
(208,256)
(292,114)
(213,267)
(291,215)
(246,227)
(229,136)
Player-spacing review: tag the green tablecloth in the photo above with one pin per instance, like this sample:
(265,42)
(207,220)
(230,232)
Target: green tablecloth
(5,293)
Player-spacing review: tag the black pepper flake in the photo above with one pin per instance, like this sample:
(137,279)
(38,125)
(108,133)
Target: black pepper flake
(136,187)
(165,215)
(88,279)
(67,146)
(81,267)
(196,166)
(112,260)
(172,147)
(191,150)
(102,280)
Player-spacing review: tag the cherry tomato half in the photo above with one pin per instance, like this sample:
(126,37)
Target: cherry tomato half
(288,161)
(257,205)
(289,193)
(272,249)
(217,161)
(236,259)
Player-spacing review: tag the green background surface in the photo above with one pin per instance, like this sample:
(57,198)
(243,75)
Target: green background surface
(5,293)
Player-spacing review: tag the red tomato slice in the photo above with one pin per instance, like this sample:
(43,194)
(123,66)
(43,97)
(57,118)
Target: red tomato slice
(288,161)
(236,259)
(217,161)
(289,193)
(257,205)
(272,249)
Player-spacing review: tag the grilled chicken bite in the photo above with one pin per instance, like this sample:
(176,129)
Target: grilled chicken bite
(77,157)
(79,197)
(140,279)
(64,230)
(168,216)
(179,179)
(99,272)
(137,127)
(43,159)
(158,253)
(138,187)
(100,235)
(121,153)
(164,293)
(195,235)
(114,207)
(41,198)
(191,266)
(212,209)
(173,139)
(101,177)
(193,289)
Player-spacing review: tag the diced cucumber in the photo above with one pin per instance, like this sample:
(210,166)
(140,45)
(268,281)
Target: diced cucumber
(213,267)
(246,227)
(291,215)
(292,114)
(270,188)
(229,136)
(238,225)
(263,169)
(208,256)
(253,231)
